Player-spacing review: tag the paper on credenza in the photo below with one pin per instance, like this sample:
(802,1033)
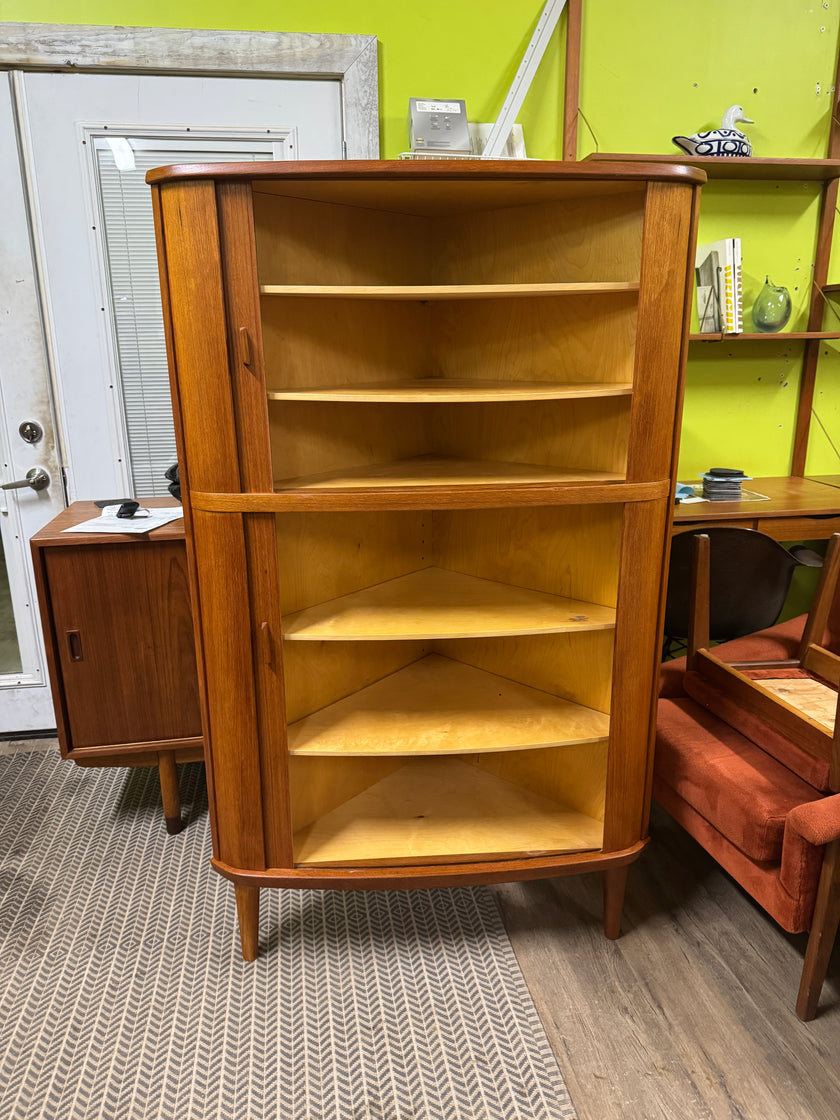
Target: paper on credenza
(108,522)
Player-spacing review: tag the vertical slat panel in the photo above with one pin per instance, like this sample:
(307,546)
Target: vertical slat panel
(667,243)
(571,81)
(244,329)
(635,671)
(816,310)
(197,313)
(232,738)
(247,378)
(177,415)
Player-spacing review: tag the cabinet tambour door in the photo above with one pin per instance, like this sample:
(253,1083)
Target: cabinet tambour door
(125,642)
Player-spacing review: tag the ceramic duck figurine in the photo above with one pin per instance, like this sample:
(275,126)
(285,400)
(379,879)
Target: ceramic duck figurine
(724,141)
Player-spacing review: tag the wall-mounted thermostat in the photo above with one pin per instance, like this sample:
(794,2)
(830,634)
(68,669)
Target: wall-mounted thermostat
(438,125)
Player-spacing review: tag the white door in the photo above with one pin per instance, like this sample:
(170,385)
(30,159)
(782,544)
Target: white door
(25,404)
(86,142)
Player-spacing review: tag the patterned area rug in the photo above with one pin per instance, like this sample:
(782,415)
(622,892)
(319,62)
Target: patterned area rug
(123,995)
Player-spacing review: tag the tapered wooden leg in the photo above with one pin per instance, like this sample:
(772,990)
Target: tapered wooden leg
(615,882)
(823,931)
(248,912)
(168,773)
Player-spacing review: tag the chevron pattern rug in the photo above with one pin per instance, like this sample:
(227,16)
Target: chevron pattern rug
(123,996)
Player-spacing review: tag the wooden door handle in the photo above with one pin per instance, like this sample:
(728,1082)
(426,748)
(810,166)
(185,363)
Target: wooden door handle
(244,346)
(74,645)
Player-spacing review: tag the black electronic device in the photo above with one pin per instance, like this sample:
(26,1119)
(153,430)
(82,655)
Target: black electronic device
(111,502)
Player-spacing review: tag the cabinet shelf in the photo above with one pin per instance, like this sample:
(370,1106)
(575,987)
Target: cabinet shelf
(440,706)
(438,603)
(725,167)
(447,810)
(777,336)
(445,291)
(455,390)
(435,470)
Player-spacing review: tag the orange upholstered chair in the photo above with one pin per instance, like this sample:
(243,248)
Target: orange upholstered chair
(748,763)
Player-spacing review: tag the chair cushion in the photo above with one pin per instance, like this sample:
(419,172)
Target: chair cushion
(812,770)
(740,790)
(788,899)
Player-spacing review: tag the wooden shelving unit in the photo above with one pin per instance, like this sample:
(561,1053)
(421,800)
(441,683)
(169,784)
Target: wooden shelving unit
(826,172)
(426,420)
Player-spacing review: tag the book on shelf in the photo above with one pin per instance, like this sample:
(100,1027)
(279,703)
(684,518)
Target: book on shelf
(719,289)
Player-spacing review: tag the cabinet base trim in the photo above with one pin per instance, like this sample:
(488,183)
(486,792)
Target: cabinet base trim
(428,876)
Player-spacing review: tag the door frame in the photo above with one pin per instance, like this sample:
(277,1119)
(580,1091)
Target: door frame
(351,60)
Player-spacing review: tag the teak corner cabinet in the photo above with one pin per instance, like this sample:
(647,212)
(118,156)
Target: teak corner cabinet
(427,418)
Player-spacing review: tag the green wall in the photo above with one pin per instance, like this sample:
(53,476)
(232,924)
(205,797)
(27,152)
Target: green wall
(650,69)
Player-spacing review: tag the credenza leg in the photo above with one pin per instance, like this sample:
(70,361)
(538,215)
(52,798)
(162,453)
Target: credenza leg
(168,773)
(615,882)
(248,912)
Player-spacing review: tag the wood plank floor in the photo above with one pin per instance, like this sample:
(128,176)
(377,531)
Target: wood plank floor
(689,1015)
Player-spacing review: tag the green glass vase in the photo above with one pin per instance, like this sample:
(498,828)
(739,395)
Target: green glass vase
(772,308)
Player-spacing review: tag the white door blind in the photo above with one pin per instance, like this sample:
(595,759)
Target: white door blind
(128,244)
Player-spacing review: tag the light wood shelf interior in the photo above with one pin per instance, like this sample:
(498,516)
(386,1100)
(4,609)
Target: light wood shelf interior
(440,706)
(526,593)
(424,292)
(445,810)
(437,603)
(541,382)
(434,470)
(420,390)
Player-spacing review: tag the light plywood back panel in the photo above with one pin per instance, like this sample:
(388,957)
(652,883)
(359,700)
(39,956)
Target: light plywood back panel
(437,706)
(311,438)
(591,238)
(575,774)
(585,338)
(311,342)
(319,785)
(320,673)
(316,437)
(571,551)
(538,548)
(561,550)
(324,555)
(576,667)
(572,434)
(305,242)
(440,470)
(441,808)
(441,198)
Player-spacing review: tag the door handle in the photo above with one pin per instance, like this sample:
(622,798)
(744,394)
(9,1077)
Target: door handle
(37,479)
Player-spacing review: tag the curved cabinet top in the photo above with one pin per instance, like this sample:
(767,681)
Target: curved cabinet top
(435,170)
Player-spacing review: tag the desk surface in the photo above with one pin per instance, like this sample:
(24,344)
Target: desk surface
(53,534)
(797,509)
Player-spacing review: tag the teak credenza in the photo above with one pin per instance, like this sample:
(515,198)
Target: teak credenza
(118,631)
(427,418)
